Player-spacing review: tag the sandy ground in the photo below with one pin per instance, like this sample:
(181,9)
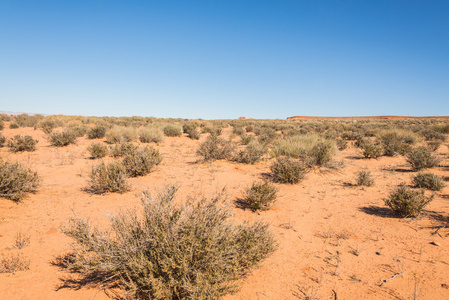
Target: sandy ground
(334,238)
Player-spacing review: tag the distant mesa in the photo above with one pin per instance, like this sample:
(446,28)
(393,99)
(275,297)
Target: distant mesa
(242,118)
(369,117)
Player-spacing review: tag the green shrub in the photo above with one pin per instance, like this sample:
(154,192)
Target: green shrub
(13,125)
(252,153)
(48,124)
(16,181)
(322,152)
(121,149)
(172,130)
(108,178)
(421,158)
(22,143)
(193,134)
(406,202)
(397,141)
(141,161)
(121,134)
(260,195)
(364,178)
(288,170)
(78,130)
(428,181)
(97,150)
(62,139)
(191,251)
(151,135)
(96,132)
(214,148)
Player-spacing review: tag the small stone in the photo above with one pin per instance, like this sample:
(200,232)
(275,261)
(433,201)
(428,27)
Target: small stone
(377,253)
(435,243)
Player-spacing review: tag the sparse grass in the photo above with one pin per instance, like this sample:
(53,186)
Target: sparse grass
(288,170)
(110,177)
(364,178)
(97,150)
(260,195)
(16,181)
(428,181)
(14,263)
(151,135)
(22,143)
(214,148)
(22,240)
(62,139)
(191,251)
(421,158)
(406,202)
(141,161)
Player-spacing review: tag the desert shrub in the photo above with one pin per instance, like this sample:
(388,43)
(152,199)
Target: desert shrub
(172,130)
(370,149)
(2,125)
(288,170)
(214,148)
(151,135)
(247,138)
(13,125)
(110,177)
(433,135)
(238,130)
(267,135)
(26,120)
(62,139)
(428,181)
(396,141)
(260,195)
(341,144)
(121,149)
(421,158)
(14,263)
(322,152)
(16,181)
(22,143)
(406,202)
(97,150)
(443,128)
(191,131)
(364,178)
(141,161)
(252,153)
(121,134)
(213,130)
(48,124)
(96,132)
(434,145)
(78,130)
(190,251)
(2,140)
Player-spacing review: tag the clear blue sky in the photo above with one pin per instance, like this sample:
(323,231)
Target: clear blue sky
(224,58)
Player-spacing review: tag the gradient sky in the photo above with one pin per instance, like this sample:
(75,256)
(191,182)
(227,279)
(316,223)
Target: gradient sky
(221,59)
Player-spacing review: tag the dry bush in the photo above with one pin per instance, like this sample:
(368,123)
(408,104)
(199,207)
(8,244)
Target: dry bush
(16,181)
(14,263)
(22,143)
(22,240)
(364,178)
(421,158)
(151,135)
(252,153)
(50,123)
(341,144)
(172,130)
(96,132)
(428,181)
(397,141)
(121,134)
(190,251)
(406,202)
(141,161)
(370,149)
(13,125)
(288,170)
(214,148)
(121,149)
(2,140)
(110,177)
(62,139)
(193,134)
(260,195)
(2,125)
(97,150)
(79,130)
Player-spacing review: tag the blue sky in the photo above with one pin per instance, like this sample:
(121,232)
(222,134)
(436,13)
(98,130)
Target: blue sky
(225,59)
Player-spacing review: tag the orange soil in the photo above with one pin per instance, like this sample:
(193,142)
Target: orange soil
(320,224)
